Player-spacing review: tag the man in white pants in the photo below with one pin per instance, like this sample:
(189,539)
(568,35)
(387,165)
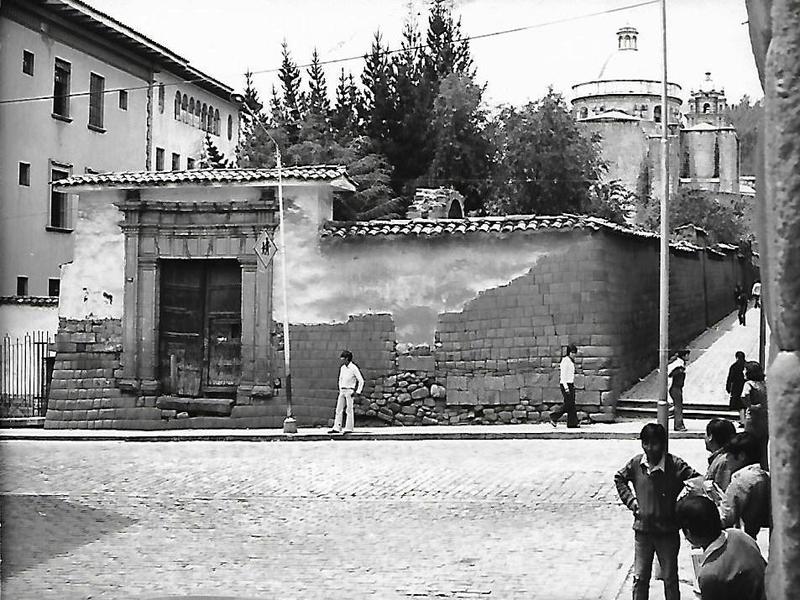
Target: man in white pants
(350,382)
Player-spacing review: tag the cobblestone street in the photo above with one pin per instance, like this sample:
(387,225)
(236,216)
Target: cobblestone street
(427,519)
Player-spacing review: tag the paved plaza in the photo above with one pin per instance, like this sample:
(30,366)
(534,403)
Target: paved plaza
(424,519)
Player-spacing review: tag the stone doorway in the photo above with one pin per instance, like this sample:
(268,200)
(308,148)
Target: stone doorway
(200,327)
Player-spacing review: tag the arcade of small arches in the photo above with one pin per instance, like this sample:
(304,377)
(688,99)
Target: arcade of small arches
(195,113)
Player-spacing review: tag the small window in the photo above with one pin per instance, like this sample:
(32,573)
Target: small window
(657,114)
(27,62)
(123,100)
(24,174)
(54,287)
(177,114)
(204,118)
(22,285)
(216,122)
(161,97)
(706,107)
(61,88)
(210,121)
(159,159)
(176,161)
(184,107)
(189,164)
(584,112)
(59,201)
(197,122)
(97,85)
(230,127)
(191,111)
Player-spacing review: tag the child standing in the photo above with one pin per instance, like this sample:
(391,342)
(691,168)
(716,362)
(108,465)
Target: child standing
(657,478)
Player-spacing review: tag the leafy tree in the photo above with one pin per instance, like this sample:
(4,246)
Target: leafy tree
(211,157)
(461,153)
(610,200)
(746,117)
(545,164)
(727,218)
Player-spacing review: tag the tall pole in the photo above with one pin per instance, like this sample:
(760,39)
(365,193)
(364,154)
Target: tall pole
(663,297)
(289,424)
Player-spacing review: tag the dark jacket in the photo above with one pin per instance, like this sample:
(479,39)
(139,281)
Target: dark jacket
(733,570)
(735,381)
(656,494)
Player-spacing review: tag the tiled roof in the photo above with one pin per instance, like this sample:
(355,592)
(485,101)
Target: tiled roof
(144,179)
(30,300)
(505,224)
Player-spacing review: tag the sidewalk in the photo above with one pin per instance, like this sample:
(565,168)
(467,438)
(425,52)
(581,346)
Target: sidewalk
(623,430)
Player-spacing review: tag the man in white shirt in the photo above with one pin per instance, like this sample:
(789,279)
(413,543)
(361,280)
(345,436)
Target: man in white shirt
(350,383)
(756,293)
(567,385)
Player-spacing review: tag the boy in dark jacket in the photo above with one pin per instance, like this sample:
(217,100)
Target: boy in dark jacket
(657,478)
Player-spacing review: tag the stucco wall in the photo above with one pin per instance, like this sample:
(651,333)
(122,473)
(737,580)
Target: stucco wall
(92,284)
(624,149)
(17,320)
(30,134)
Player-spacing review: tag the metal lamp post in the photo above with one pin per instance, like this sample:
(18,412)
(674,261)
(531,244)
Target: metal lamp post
(289,423)
(663,297)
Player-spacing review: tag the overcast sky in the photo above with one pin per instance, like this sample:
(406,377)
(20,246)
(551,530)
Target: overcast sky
(226,38)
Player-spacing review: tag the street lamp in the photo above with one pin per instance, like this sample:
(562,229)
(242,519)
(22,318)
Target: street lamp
(289,423)
(663,296)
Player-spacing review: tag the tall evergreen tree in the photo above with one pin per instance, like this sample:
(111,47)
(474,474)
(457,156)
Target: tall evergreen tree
(288,109)
(211,157)
(344,117)
(317,100)
(251,97)
(377,108)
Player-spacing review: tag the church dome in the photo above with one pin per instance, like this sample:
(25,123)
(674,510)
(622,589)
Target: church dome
(627,62)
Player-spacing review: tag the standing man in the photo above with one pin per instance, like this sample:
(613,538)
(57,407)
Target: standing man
(567,385)
(350,383)
(677,373)
(741,301)
(735,383)
(756,293)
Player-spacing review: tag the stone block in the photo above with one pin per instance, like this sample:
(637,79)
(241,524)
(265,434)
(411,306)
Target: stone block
(461,398)
(420,393)
(602,417)
(456,383)
(404,398)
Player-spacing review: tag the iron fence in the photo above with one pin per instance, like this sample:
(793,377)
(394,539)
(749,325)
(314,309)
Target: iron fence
(26,370)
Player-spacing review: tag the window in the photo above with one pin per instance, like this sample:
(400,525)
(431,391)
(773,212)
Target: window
(59,201)
(97,86)
(191,111)
(22,285)
(209,125)
(61,83)
(54,287)
(184,107)
(196,121)
(189,164)
(657,114)
(216,122)
(27,62)
(177,114)
(24,174)
(161,96)
(159,159)
(176,161)
(706,107)
(584,112)
(123,100)
(230,127)
(204,117)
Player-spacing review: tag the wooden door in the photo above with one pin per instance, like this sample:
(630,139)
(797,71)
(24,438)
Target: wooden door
(181,325)
(224,326)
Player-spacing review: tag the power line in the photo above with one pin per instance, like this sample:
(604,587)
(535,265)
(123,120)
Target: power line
(350,58)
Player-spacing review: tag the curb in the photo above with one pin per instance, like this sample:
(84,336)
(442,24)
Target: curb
(17,435)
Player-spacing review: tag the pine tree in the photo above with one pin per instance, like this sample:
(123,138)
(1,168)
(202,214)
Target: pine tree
(211,157)
(377,109)
(344,117)
(289,108)
(251,97)
(317,100)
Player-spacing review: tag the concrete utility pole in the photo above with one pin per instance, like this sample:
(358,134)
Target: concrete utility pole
(289,423)
(663,297)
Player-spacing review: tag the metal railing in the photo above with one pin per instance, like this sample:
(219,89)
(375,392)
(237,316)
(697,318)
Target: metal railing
(26,370)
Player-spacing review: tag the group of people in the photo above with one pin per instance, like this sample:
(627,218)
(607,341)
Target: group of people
(720,512)
(742,299)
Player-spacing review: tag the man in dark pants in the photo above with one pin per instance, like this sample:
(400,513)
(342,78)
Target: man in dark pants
(567,385)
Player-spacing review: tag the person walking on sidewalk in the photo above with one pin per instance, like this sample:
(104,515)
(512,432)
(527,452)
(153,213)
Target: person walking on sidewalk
(756,294)
(731,566)
(657,478)
(741,302)
(735,383)
(567,385)
(350,383)
(754,398)
(676,371)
